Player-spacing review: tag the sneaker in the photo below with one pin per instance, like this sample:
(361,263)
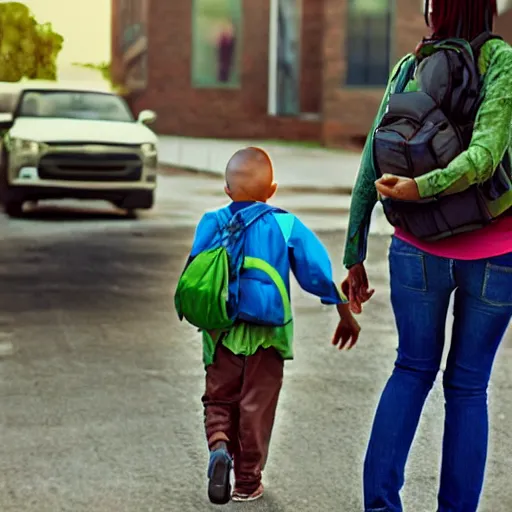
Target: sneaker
(256,495)
(219,472)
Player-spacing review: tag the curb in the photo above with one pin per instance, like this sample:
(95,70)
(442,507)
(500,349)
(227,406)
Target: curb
(169,170)
(176,169)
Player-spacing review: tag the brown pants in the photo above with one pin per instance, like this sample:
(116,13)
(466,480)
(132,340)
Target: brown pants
(240,404)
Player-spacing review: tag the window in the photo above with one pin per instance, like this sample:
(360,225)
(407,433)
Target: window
(368,42)
(217,43)
(132,22)
(137,72)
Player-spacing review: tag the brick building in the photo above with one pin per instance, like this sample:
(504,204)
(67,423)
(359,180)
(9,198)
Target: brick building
(343,58)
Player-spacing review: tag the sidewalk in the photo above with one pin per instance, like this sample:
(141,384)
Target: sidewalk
(297,168)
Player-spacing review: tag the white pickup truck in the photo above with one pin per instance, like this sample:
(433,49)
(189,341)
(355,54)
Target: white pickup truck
(70,142)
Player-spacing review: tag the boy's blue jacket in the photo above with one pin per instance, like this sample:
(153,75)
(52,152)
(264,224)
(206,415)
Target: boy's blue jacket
(281,240)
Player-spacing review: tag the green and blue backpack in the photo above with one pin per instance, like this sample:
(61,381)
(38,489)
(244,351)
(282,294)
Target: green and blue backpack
(207,295)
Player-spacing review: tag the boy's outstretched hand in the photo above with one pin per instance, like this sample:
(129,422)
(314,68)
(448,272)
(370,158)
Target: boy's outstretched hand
(347,332)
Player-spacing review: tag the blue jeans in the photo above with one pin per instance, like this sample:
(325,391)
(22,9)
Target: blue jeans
(421,286)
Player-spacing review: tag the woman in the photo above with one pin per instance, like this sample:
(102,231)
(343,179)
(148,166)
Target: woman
(226,48)
(476,265)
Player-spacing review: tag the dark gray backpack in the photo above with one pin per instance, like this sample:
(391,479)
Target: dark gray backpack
(425,130)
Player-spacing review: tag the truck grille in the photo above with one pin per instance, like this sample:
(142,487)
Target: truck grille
(104,166)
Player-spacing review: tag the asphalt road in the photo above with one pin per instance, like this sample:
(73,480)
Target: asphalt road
(100,384)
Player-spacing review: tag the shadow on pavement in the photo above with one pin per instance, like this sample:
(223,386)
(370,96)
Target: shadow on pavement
(50,213)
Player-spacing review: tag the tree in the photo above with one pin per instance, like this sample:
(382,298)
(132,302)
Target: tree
(105,69)
(102,67)
(27,49)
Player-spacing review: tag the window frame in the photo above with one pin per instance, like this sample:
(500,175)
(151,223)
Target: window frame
(390,18)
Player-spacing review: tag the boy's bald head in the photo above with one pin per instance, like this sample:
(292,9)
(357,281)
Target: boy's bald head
(250,175)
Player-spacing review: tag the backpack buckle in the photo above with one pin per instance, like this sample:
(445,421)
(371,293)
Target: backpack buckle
(235,226)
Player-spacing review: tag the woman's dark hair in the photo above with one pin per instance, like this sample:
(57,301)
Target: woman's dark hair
(466,19)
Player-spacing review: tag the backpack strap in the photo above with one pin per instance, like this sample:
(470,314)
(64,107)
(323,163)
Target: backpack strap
(232,232)
(223,216)
(248,215)
(254,212)
(480,40)
(403,73)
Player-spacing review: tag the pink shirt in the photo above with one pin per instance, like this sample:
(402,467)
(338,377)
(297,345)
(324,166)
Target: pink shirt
(493,240)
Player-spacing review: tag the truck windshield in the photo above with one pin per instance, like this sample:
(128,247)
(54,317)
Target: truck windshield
(74,105)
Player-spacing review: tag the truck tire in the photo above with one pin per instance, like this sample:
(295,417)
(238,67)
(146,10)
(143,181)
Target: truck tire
(13,208)
(136,201)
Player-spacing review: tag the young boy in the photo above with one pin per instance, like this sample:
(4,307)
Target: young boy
(244,366)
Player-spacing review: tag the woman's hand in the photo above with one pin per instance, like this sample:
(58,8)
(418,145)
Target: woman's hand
(356,288)
(397,187)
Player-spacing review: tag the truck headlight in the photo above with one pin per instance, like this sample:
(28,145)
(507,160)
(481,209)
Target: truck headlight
(26,146)
(148,149)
